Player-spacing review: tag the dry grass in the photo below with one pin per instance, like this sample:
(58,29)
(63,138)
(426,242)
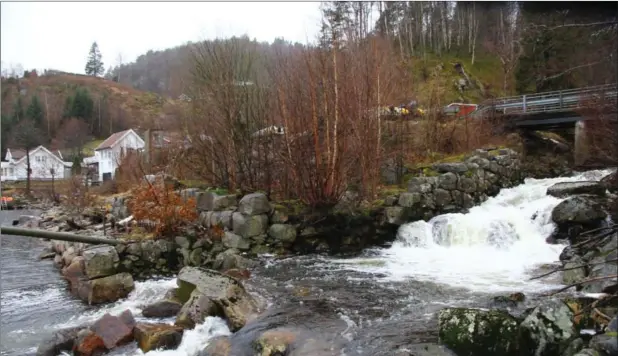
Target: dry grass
(133,107)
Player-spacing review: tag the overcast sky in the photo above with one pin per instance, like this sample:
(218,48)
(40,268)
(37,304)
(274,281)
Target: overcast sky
(58,35)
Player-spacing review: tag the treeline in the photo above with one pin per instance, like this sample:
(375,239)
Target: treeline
(539,46)
(58,120)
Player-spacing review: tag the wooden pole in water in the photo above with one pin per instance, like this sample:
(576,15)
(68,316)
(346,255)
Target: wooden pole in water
(62,236)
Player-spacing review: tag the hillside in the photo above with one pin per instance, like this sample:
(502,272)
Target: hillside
(109,107)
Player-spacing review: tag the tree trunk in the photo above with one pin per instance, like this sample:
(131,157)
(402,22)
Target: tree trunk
(28,171)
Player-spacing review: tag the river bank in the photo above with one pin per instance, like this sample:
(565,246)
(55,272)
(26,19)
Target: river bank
(372,296)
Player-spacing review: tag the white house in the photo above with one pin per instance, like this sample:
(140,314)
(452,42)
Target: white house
(44,164)
(110,152)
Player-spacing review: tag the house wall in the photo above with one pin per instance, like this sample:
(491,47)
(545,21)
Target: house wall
(109,158)
(40,162)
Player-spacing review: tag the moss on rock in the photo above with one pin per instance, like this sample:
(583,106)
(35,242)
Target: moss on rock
(472,332)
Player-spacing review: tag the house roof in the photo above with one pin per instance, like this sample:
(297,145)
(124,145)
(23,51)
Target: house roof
(55,154)
(17,153)
(112,140)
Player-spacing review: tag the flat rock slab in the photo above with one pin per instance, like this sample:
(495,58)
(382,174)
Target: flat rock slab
(565,189)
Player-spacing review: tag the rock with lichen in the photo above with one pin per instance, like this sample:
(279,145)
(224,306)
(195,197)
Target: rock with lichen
(478,332)
(547,329)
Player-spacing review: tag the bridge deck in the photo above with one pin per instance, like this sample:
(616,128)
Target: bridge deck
(548,108)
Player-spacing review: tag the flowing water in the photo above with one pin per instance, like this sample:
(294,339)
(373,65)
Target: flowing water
(378,303)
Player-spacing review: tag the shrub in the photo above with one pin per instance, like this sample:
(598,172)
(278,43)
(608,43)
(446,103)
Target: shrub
(76,196)
(163,207)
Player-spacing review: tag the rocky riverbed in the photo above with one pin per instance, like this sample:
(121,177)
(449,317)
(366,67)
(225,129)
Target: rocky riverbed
(322,305)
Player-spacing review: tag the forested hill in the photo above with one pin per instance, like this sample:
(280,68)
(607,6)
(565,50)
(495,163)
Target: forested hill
(508,47)
(67,111)
(452,51)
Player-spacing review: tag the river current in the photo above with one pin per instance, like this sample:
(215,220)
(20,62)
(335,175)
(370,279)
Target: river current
(384,301)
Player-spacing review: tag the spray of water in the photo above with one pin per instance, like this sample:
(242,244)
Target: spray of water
(492,248)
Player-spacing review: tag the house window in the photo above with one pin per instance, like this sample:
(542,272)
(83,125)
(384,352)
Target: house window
(40,159)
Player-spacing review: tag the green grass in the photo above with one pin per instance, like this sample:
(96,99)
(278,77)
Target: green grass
(88,149)
(485,73)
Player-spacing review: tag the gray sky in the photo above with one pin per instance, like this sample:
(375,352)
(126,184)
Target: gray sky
(58,35)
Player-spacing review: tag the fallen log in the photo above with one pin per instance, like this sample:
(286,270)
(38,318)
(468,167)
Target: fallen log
(62,236)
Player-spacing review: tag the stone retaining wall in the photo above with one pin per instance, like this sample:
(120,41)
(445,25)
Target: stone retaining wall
(253,225)
(455,187)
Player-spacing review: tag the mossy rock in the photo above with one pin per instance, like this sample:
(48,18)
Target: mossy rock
(473,332)
(428,172)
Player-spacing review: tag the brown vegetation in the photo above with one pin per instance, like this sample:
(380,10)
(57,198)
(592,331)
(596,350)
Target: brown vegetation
(158,203)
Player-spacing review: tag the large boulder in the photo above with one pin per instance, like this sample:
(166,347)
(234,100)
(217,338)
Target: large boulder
(157,336)
(254,204)
(578,210)
(100,261)
(282,233)
(610,182)
(577,214)
(602,268)
(231,240)
(547,330)
(472,332)
(210,201)
(107,289)
(249,225)
(111,330)
(211,293)
(565,189)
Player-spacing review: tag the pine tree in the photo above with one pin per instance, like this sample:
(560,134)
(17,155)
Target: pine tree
(18,110)
(94,66)
(35,111)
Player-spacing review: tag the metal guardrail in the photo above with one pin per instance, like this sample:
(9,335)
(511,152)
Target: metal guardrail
(554,101)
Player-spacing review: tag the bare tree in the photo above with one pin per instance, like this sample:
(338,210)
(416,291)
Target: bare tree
(230,101)
(73,134)
(505,42)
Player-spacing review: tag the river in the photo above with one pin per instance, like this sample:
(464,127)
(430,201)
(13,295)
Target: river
(385,300)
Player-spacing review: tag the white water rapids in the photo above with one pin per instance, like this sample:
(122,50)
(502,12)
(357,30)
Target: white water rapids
(495,247)
(492,248)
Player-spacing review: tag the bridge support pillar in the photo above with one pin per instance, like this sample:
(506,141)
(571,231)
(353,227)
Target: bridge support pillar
(581,149)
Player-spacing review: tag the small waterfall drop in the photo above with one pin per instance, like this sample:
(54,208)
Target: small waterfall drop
(495,247)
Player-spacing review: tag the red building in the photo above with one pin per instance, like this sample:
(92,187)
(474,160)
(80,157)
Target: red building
(458,110)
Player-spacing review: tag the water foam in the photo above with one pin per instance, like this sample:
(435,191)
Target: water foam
(493,248)
(145,293)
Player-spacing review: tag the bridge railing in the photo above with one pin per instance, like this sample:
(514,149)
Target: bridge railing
(546,102)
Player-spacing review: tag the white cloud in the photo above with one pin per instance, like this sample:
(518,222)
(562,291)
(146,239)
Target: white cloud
(58,35)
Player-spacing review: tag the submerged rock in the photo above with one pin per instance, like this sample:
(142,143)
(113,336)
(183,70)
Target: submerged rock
(63,340)
(162,309)
(477,332)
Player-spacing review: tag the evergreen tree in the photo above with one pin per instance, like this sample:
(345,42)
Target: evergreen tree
(82,105)
(35,111)
(94,66)
(18,110)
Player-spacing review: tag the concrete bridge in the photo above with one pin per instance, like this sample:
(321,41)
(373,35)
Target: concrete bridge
(557,111)
(547,110)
